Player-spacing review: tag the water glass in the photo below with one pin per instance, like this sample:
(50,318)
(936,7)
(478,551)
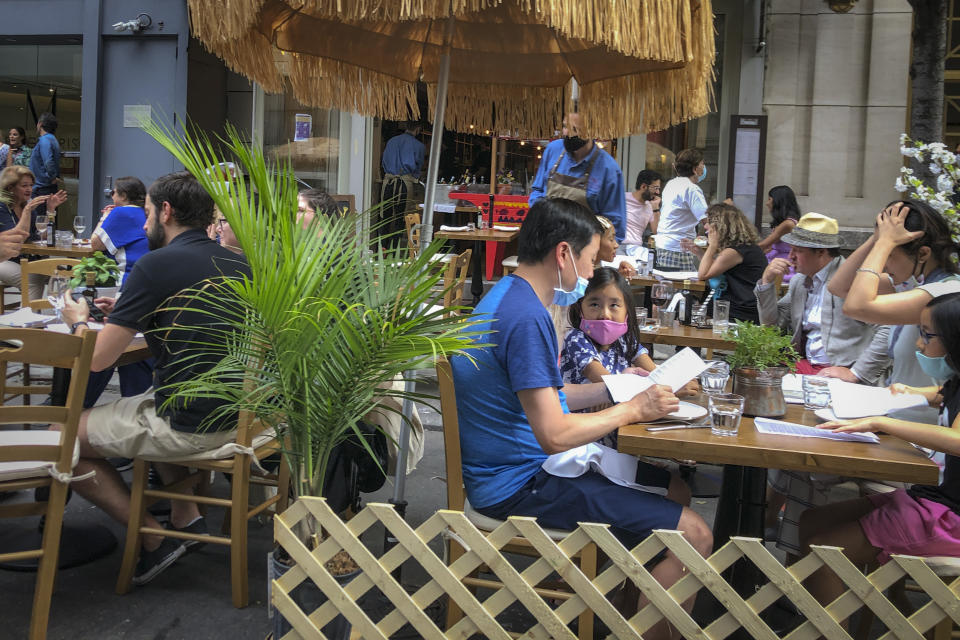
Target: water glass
(654,321)
(641,317)
(816,392)
(714,378)
(666,318)
(721,316)
(64,239)
(726,409)
(56,286)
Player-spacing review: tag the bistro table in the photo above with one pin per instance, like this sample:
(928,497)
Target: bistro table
(747,456)
(687,336)
(479,236)
(75,251)
(79,544)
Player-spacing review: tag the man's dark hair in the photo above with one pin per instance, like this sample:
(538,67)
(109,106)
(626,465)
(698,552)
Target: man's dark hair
(192,205)
(48,122)
(321,202)
(648,177)
(551,221)
(687,160)
(131,188)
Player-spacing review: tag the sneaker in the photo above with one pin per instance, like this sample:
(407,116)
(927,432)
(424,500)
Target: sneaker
(121,464)
(199,527)
(152,563)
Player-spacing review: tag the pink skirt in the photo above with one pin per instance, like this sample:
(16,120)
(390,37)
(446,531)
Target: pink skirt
(911,526)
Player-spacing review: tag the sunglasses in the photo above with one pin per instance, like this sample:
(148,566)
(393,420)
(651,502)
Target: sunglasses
(927,337)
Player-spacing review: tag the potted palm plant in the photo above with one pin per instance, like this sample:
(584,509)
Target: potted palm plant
(762,356)
(323,326)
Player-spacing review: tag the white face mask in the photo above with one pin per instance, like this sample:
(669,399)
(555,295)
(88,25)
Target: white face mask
(907,285)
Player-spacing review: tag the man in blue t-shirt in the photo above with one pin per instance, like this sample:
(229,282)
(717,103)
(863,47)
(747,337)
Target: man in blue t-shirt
(513,414)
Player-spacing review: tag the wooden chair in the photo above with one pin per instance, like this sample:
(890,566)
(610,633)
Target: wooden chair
(412,224)
(510,264)
(456,499)
(250,435)
(455,279)
(34,459)
(46,267)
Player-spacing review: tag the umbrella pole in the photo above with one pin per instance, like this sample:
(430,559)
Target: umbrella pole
(400,472)
(426,231)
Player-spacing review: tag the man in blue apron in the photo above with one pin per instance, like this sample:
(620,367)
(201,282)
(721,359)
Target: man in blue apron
(402,163)
(578,169)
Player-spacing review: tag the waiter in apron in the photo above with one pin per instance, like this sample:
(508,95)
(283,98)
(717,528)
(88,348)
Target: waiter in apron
(402,163)
(576,168)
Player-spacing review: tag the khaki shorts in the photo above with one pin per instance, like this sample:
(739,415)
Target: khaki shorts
(130,428)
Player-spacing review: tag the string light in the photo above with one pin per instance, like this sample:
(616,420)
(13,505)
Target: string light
(471,126)
(538,156)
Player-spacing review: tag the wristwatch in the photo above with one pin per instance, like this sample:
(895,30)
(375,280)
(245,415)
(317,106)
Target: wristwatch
(73,327)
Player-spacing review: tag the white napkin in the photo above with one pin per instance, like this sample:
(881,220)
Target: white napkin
(500,227)
(444,227)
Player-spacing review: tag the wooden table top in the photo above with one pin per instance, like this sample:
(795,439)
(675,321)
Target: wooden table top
(76,251)
(686,336)
(890,459)
(480,235)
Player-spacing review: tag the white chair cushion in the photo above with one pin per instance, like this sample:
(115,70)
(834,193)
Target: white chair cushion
(443,257)
(30,468)
(485,523)
(511,261)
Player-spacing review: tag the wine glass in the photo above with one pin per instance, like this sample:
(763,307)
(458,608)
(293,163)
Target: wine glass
(661,293)
(41,226)
(79,224)
(56,287)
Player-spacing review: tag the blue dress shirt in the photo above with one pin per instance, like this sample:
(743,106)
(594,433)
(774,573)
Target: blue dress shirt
(45,161)
(403,155)
(606,193)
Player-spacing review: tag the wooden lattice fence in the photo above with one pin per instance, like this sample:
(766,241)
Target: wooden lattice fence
(552,621)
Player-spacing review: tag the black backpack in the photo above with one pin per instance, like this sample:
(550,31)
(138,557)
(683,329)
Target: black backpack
(352,471)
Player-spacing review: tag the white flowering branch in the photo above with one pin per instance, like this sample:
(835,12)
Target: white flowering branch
(945,165)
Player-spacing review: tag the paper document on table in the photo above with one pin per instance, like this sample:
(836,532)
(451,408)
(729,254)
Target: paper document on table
(25,318)
(674,373)
(793,388)
(859,400)
(781,428)
(675,275)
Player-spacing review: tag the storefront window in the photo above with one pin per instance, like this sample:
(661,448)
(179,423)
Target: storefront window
(38,78)
(309,136)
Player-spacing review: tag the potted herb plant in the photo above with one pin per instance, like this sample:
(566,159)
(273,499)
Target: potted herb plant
(106,269)
(762,356)
(322,328)
(505,180)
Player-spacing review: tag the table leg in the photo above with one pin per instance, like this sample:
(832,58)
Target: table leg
(740,512)
(476,288)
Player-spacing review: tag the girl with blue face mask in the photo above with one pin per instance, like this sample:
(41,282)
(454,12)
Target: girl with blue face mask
(922,520)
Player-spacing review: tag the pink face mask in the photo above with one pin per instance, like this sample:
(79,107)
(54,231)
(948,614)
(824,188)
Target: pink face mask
(603,331)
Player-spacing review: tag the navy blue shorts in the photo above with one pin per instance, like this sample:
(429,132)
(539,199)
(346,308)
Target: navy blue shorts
(561,503)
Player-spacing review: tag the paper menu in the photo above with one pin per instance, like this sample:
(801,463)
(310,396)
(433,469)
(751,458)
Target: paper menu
(674,373)
(860,401)
(779,427)
(26,318)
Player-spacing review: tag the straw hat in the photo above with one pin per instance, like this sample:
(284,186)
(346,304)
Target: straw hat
(816,231)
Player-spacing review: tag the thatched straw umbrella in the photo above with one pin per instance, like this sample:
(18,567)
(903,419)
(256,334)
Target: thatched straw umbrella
(502,65)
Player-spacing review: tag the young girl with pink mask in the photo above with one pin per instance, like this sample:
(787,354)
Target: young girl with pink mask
(604,335)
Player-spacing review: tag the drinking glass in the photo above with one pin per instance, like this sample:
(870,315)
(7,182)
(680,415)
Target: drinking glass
(666,318)
(56,287)
(816,392)
(641,317)
(726,409)
(64,239)
(661,293)
(714,378)
(79,224)
(721,316)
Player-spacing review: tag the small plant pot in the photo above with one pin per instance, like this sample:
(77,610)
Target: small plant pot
(308,597)
(762,390)
(504,189)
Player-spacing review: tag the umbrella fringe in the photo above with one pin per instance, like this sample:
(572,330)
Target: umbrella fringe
(252,56)
(220,21)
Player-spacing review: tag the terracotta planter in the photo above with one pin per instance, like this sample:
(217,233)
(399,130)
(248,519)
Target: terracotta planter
(504,189)
(762,391)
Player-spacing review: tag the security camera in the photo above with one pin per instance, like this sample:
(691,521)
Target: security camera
(142,21)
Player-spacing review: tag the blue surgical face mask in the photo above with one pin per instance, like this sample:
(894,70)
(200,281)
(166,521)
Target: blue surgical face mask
(937,368)
(566,298)
(703,175)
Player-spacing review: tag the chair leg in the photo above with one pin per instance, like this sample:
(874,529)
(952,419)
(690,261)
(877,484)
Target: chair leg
(131,549)
(240,496)
(203,489)
(588,565)
(47,569)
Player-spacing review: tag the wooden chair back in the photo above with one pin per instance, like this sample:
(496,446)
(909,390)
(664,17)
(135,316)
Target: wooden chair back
(43,459)
(455,279)
(46,267)
(451,436)
(412,223)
